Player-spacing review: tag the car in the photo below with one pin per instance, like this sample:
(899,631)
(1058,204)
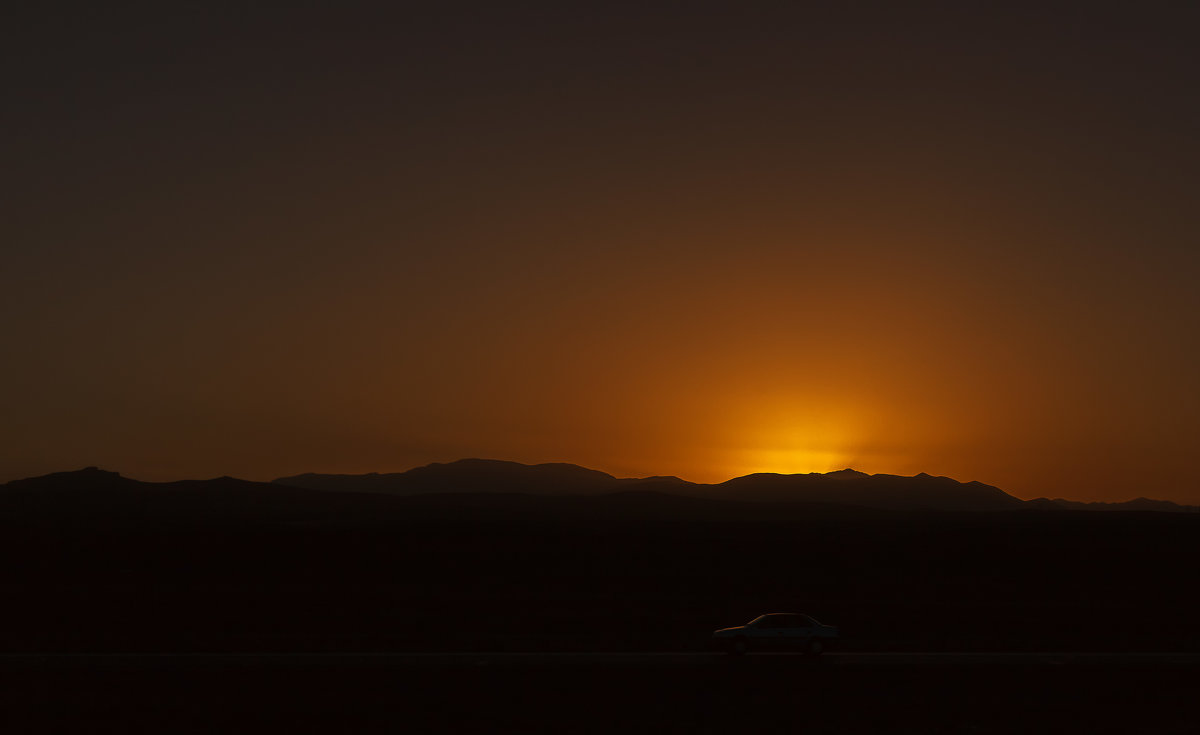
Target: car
(777,632)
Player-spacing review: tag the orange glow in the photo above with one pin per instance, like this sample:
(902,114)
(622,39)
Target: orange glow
(789,436)
(772,261)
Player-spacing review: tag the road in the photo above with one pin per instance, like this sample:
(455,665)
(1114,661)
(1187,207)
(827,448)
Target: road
(848,660)
(844,693)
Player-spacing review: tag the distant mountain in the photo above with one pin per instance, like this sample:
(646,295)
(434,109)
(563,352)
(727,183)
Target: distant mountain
(845,487)
(497,490)
(892,492)
(477,476)
(98,499)
(1137,504)
(93,496)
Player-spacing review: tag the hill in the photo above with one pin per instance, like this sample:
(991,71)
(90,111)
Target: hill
(467,476)
(847,487)
(96,498)
(893,492)
(479,489)
(1137,504)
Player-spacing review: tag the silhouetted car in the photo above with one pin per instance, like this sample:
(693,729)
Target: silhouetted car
(777,632)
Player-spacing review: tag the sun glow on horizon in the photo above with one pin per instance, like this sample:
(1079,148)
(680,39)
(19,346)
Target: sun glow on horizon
(793,461)
(785,440)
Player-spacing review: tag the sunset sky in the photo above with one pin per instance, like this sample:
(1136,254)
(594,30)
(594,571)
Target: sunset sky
(700,239)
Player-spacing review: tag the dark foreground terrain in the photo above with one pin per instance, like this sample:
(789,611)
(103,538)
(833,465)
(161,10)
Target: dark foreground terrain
(222,606)
(1021,581)
(847,693)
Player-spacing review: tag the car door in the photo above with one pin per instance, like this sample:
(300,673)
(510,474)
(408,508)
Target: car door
(796,632)
(802,632)
(769,632)
(783,632)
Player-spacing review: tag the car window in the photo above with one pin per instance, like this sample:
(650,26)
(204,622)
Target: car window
(781,620)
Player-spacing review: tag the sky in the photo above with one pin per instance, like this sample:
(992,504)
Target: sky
(687,238)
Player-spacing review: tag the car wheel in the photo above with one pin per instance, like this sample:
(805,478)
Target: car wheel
(739,647)
(814,648)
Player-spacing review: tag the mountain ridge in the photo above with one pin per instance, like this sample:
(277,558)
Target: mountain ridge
(92,489)
(881,490)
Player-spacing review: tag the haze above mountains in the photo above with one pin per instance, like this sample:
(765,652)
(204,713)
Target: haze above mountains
(485,489)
